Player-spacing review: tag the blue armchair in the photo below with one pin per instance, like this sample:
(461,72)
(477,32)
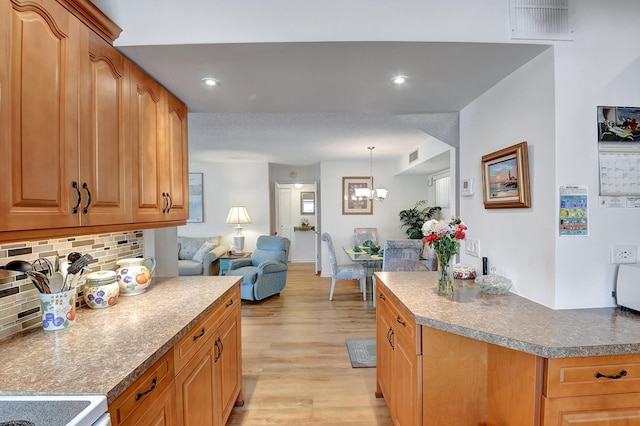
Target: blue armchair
(265,272)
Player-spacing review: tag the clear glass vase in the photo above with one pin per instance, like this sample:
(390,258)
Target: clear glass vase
(445,277)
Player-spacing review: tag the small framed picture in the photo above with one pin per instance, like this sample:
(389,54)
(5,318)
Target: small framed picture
(351,204)
(195,198)
(505,178)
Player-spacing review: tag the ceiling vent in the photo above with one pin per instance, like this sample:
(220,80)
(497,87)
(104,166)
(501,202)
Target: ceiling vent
(413,156)
(540,19)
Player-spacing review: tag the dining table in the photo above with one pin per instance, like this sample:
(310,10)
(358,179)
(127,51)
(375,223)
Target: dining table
(371,263)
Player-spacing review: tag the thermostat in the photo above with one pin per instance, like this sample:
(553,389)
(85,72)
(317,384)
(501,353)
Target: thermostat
(466,188)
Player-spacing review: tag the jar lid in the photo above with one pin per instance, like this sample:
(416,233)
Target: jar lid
(101,277)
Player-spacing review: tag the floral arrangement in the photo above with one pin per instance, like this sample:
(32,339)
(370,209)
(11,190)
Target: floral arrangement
(444,237)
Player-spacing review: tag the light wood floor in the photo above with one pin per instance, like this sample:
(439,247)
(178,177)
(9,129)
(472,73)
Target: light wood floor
(296,369)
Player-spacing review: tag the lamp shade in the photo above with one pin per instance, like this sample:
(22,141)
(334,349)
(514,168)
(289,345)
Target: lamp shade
(238,215)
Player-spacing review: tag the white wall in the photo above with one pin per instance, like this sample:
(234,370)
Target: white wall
(404,191)
(598,68)
(552,102)
(232,184)
(518,242)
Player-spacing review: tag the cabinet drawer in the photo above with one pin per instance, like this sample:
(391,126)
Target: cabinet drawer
(198,336)
(592,375)
(143,392)
(404,327)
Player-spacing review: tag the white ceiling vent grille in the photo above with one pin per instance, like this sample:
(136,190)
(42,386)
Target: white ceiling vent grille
(540,20)
(413,156)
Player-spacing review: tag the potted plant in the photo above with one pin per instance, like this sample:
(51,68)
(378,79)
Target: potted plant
(412,219)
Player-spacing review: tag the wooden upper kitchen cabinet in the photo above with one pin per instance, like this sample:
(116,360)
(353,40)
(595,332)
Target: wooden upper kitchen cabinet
(176,178)
(90,142)
(105,153)
(159,133)
(39,120)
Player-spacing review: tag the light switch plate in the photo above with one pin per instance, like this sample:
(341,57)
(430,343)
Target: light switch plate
(472,247)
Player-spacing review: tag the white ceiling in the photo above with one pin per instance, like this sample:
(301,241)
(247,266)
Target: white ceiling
(299,103)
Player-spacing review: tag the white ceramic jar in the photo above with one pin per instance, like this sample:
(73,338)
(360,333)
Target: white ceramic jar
(101,289)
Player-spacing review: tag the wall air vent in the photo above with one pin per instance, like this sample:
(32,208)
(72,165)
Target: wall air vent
(540,19)
(413,156)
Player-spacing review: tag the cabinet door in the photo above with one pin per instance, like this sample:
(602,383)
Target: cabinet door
(105,157)
(405,393)
(227,366)
(610,410)
(384,350)
(175,173)
(39,115)
(147,112)
(195,389)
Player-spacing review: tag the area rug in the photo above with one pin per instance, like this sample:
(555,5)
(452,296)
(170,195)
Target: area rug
(362,352)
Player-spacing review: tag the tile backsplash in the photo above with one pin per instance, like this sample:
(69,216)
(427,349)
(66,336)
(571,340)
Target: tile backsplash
(19,299)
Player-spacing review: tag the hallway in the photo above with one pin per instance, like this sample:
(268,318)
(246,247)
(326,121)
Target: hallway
(296,369)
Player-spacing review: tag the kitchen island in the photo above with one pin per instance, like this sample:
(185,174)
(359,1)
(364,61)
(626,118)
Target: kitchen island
(109,351)
(501,359)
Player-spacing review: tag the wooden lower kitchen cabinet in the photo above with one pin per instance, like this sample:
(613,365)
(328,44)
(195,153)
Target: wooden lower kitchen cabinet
(399,373)
(601,390)
(208,383)
(146,398)
(197,382)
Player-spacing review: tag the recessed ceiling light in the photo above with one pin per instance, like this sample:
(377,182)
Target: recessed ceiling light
(210,82)
(399,79)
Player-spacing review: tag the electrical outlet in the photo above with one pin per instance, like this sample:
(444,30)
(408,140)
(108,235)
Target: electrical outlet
(472,247)
(624,254)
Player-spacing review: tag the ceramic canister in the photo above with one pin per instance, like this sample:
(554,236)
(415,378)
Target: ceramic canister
(101,289)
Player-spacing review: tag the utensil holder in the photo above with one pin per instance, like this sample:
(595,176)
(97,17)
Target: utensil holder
(58,310)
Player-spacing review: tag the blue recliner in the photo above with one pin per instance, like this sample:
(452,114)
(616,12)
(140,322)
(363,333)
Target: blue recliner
(265,272)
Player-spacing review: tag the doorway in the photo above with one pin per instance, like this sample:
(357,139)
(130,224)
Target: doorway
(297,219)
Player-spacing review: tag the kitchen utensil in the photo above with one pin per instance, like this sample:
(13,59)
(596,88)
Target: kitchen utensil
(73,256)
(42,280)
(80,263)
(43,265)
(56,282)
(18,266)
(64,266)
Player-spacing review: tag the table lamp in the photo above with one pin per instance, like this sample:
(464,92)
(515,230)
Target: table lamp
(238,215)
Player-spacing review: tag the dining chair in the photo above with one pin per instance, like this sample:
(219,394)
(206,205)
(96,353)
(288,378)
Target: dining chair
(360,235)
(352,271)
(400,255)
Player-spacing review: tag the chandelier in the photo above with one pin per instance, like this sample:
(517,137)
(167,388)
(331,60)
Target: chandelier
(369,193)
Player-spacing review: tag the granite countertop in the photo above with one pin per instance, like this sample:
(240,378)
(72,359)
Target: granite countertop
(108,349)
(512,321)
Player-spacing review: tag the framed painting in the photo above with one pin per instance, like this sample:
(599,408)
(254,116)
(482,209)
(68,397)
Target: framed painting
(350,203)
(505,178)
(195,198)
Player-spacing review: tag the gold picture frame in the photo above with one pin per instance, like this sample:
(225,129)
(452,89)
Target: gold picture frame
(505,178)
(350,204)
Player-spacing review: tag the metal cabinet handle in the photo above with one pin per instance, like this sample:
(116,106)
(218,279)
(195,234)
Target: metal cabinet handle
(199,335)
(166,203)
(218,344)
(381,297)
(403,323)
(229,304)
(620,375)
(170,202)
(86,188)
(389,337)
(74,185)
(153,386)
